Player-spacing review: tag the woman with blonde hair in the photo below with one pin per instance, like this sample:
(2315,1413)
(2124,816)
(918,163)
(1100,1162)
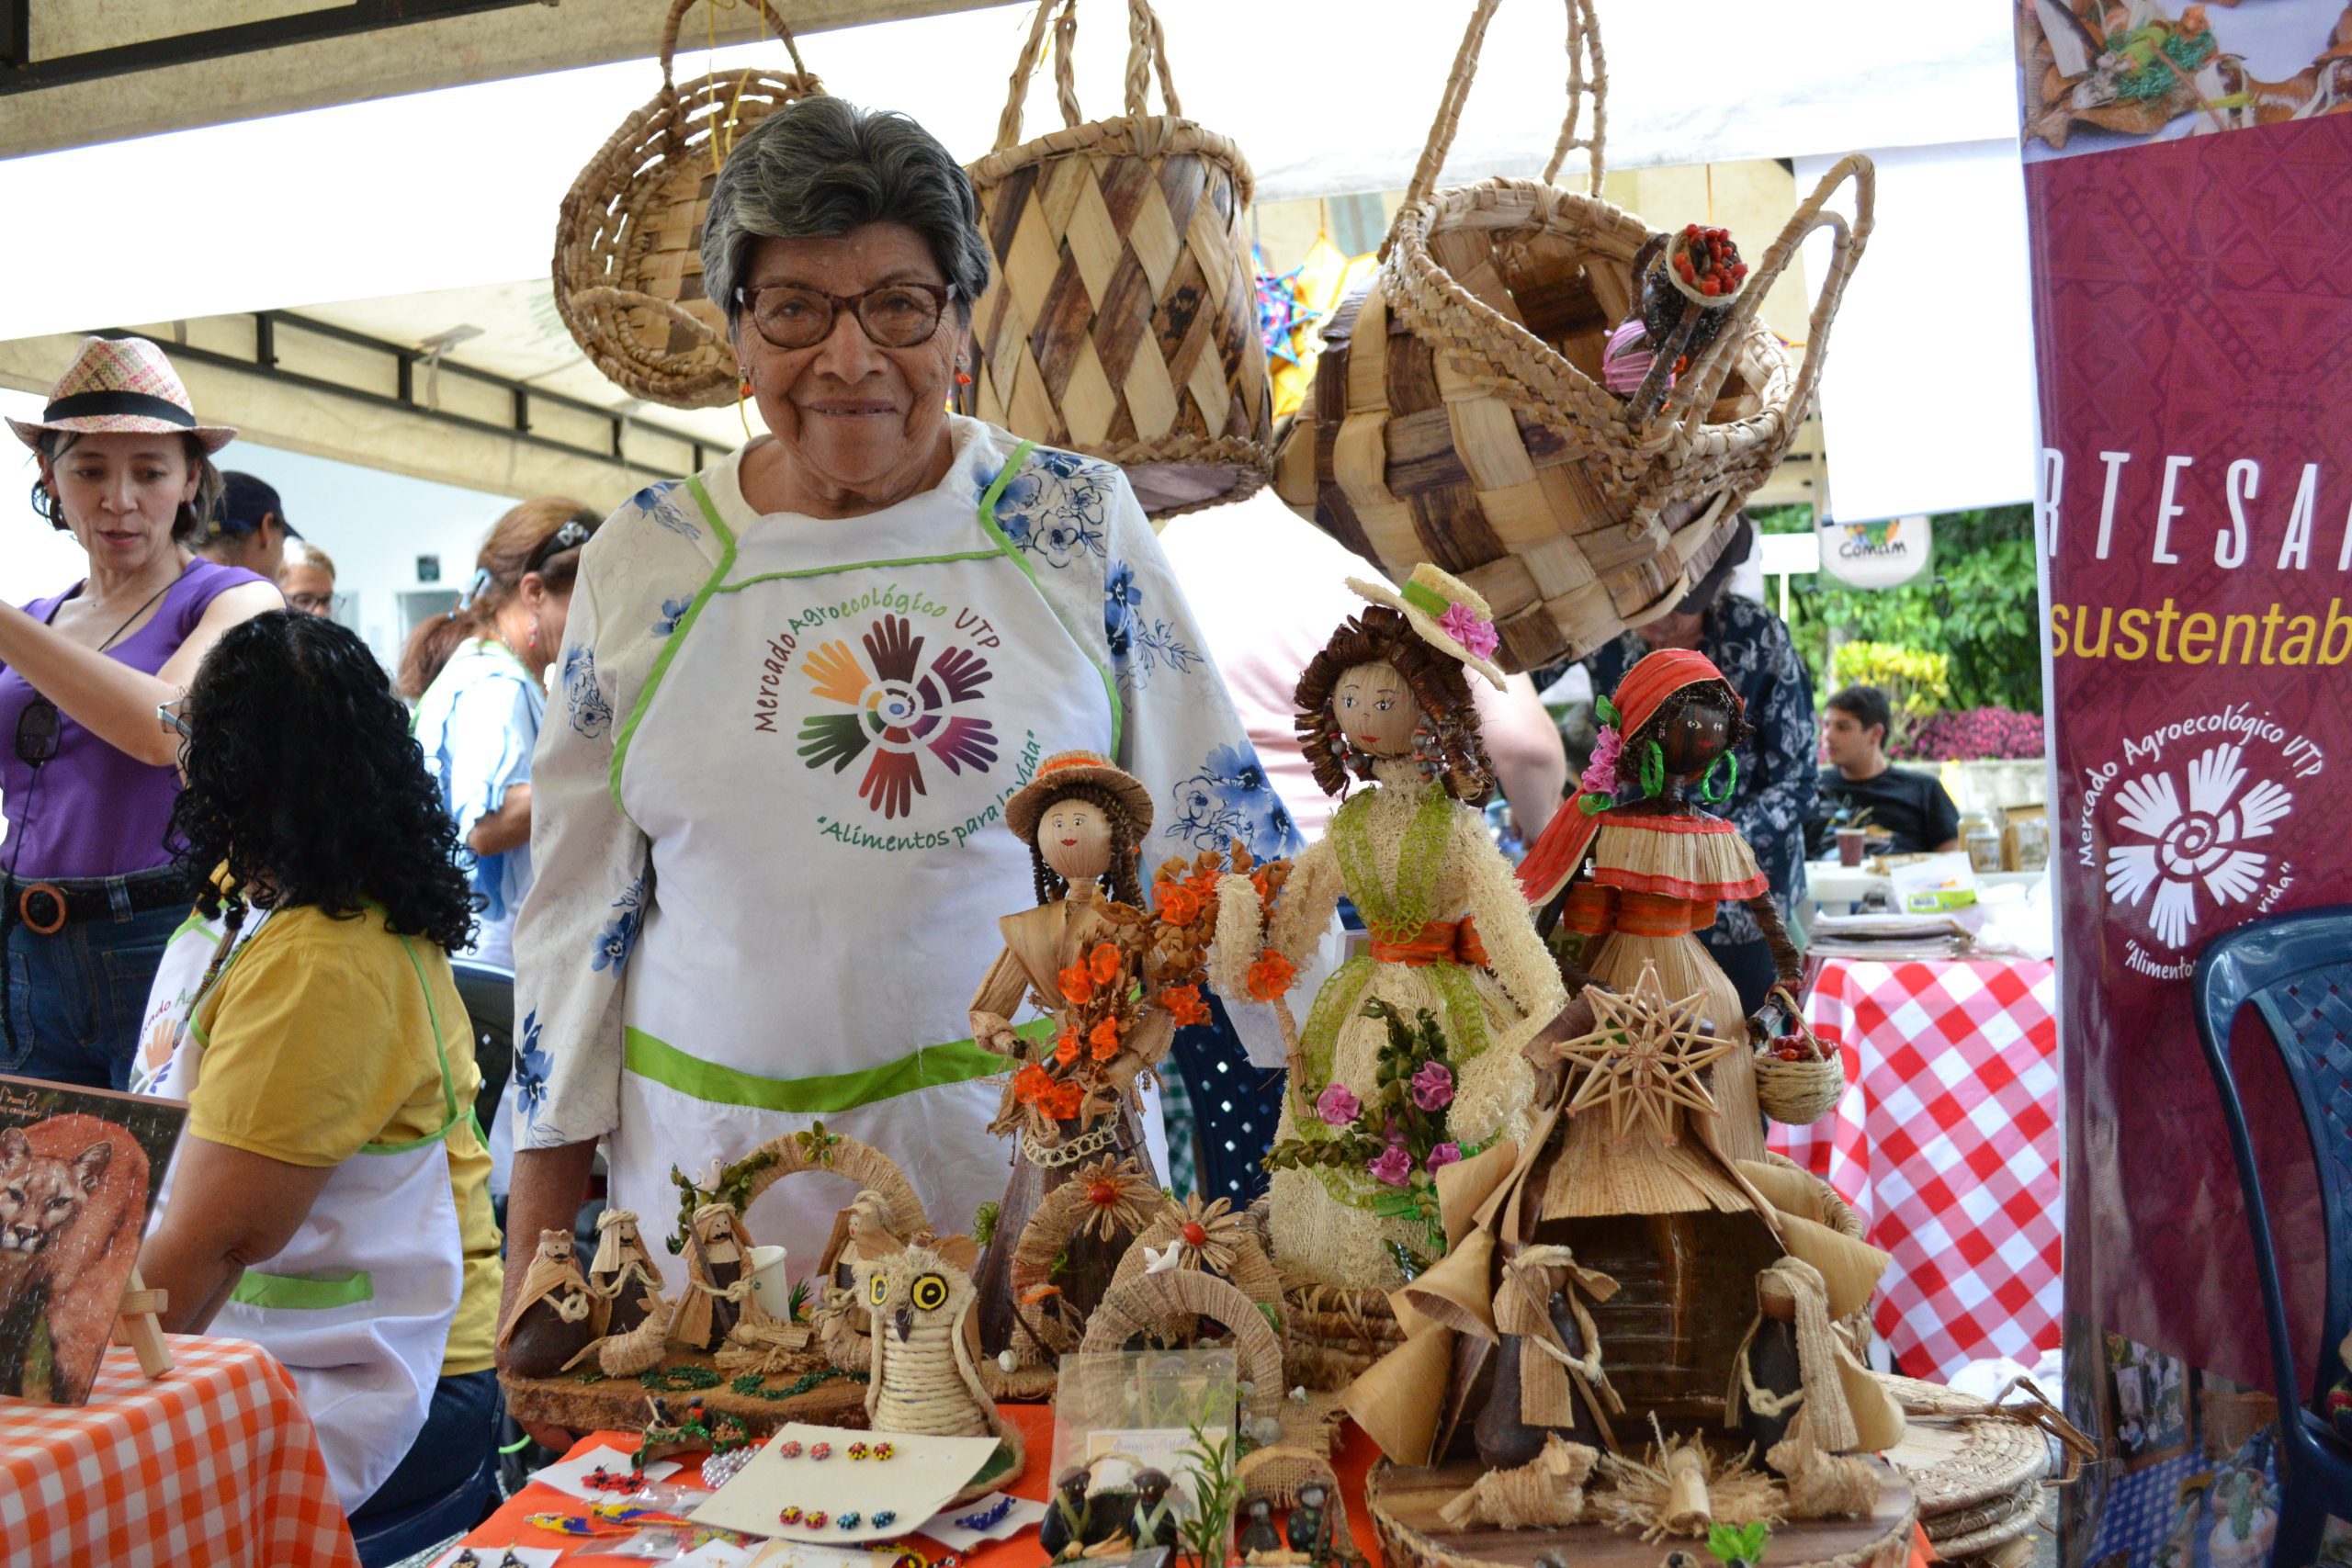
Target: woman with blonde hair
(479,675)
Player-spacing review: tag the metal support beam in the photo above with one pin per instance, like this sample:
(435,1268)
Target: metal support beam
(266,361)
(23,73)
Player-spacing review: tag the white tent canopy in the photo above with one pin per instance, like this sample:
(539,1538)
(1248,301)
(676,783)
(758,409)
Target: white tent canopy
(458,188)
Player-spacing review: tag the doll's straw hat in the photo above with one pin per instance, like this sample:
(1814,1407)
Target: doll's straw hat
(1064,768)
(1448,613)
(121,386)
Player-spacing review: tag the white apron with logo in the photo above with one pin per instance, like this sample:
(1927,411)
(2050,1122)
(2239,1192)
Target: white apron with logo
(832,733)
(357,1305)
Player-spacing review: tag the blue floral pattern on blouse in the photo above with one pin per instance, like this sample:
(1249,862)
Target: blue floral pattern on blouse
(660,502)
(1229,798)
(619,936)
(1057,507)
(583,698)
(1139,643)
(531,1065)
(672,612)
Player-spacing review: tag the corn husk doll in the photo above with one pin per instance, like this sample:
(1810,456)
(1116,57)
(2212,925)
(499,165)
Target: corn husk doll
(1387,703)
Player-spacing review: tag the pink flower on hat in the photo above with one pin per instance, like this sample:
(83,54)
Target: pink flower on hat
(1463,625)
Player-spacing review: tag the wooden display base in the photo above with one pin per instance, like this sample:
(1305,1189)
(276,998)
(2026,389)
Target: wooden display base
(1029,1385)
(618,1404)
(135,1326)
(1404,1504)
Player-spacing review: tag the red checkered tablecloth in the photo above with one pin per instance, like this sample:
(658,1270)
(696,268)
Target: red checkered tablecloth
(1946,1145)
(214,1462)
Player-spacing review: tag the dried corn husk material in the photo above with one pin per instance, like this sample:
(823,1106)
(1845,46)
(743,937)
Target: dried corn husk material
(1822,1486)
(1332,1336)
(641,1349)
(1547,1492)
(1134,1308)
(627,267)
(1458,415)
(1122,317)
(1682,1488)
(1551,1379)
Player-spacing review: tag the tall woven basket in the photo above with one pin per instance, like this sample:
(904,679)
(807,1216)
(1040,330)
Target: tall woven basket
(1458,415)
(1121,317)
(628,241)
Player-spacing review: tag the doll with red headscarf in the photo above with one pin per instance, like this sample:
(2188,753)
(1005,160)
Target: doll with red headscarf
(1635,866)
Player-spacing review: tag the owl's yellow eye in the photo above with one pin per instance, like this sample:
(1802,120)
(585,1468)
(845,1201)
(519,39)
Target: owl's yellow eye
(930,1292)
(878,1291)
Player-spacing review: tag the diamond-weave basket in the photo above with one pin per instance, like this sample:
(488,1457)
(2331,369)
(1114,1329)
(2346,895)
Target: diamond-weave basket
(628,239)
(1458,415)
(1121,315)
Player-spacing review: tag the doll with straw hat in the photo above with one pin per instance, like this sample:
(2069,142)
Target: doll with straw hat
(1387,703)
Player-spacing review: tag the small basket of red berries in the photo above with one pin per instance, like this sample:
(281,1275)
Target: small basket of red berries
(1798,1079)
(1705,264)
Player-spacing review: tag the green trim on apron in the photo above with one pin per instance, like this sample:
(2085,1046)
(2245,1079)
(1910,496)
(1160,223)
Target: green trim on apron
(931,1066)
(1005,546)
(297,1293)
(676,640)
(450,1113)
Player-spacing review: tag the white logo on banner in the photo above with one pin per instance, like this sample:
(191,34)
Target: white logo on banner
(2193,845)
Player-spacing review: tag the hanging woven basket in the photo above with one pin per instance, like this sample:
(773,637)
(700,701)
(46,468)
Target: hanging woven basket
(628,241)
(1120,316)
(1458,415)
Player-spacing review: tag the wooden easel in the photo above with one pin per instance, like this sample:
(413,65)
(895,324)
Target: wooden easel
(135,1326)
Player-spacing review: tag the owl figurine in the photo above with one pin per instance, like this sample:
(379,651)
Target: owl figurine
(926,1343)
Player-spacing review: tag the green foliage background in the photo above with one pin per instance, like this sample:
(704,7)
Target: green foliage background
(1975,604)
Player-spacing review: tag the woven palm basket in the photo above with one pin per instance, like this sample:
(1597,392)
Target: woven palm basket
(1458,415)
(1121,318)
(628,239)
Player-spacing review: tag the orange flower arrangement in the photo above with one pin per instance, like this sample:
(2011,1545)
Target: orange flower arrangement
(1030,1084)
(1062,1100)
(1078,986)
(1271,975)
(1186,897)
(1104,1038)
(1179,903)
(1184,1005)
(1065,1047)
(1102,965)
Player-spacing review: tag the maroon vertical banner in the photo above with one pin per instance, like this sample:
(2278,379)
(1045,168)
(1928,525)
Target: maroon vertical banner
(2189,183)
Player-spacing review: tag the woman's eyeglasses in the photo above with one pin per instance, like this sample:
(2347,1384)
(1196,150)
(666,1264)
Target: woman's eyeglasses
(897,315)
(37,729)
(311,604)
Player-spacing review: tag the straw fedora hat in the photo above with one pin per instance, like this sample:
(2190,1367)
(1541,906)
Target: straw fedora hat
(121,385)
(1066,768)
(1448,613)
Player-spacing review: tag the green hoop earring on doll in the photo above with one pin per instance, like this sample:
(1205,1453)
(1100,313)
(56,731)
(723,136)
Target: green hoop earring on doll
(1707,790)
(1653,770)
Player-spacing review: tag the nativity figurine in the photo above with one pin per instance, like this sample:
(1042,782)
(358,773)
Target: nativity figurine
(550,1322)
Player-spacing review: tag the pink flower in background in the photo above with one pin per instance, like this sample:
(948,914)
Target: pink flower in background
(1433,1087)
(1394,1166)
(1338,1105)
(1464,626)
(1443,1156)
(1599,774)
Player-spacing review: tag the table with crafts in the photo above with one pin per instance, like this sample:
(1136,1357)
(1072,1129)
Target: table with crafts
(213,1462)
(1946,1143)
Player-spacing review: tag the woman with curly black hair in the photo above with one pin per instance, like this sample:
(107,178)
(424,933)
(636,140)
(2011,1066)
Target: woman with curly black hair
(329,1201)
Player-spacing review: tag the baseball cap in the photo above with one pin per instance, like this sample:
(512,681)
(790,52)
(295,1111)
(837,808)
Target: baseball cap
(245,501)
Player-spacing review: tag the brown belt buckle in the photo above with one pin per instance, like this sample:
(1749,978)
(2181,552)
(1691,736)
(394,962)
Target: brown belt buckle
(25,908)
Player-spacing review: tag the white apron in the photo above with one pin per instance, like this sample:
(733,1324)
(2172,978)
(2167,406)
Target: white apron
(821,757)
(357,1305)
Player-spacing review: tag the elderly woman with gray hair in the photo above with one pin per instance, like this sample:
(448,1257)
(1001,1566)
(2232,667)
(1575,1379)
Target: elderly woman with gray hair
(796,692)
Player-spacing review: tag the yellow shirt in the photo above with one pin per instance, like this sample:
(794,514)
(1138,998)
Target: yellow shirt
(320,1039)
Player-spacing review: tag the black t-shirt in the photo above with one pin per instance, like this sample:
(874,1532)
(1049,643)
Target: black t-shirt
(1912,807)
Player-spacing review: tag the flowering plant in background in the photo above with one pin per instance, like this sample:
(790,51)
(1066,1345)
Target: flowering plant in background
(1382,1151)
(1973,735)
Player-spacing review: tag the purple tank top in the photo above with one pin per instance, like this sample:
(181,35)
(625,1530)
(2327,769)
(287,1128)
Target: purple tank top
(95,811)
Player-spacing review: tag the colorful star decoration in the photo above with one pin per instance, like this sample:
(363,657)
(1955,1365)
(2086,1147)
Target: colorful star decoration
(1644,1058)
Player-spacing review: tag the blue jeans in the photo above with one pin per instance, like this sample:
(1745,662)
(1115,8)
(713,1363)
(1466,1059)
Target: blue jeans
(75,998)
(455,1448)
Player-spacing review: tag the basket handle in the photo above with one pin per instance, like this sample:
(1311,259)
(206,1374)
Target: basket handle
(1147,56)
(1584,50)
(1699,388)
(678,9)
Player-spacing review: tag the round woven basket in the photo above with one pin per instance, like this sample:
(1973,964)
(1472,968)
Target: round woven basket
(1139,1307)
(1065,1211)
(1121,318)
(1332,1336)
(1458,413)
(1799,1092)
(629,238)
(1958,1465)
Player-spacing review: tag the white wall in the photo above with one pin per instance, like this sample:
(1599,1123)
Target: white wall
(375,526)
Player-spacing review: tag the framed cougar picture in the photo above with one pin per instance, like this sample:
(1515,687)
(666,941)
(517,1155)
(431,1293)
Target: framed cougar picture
(79,1170)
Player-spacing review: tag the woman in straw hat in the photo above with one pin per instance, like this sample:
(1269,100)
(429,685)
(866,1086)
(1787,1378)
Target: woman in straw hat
(1387,702)
(799,691)
(87,895)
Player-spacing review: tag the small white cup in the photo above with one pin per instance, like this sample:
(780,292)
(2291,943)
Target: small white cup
(769,1287)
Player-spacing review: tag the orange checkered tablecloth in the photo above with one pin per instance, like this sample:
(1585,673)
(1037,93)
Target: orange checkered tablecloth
(214,1462)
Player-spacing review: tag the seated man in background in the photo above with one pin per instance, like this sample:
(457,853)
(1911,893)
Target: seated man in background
(1912,807)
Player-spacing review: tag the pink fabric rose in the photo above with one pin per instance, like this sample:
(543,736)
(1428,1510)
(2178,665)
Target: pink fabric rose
(1626,359)
(1338,1105)
(1433,1087)
(1600,775)
(1394,1166)
(1443,1156)
(1464,626)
